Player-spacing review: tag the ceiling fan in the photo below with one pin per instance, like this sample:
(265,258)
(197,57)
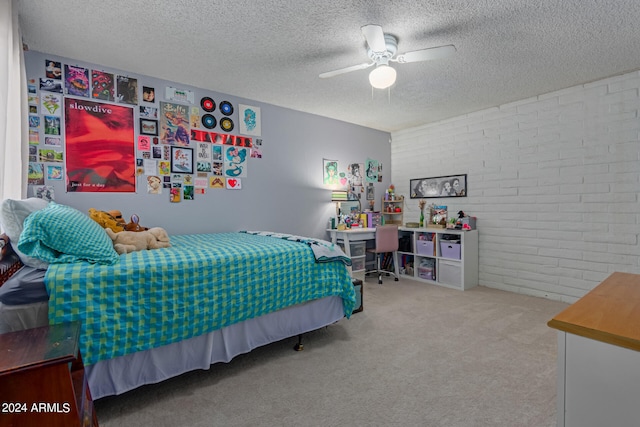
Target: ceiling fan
(382,49)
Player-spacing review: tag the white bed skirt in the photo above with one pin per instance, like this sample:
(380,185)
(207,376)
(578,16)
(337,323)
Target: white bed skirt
(26,316)
(119,375)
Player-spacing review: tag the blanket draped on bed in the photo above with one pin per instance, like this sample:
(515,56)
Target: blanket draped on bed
(323,250)
(202,283)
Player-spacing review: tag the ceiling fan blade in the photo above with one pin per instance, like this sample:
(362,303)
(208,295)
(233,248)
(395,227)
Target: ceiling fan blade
(346,70)
(426,54)
(375,37)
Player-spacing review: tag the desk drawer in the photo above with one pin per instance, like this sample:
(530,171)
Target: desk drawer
(357,264)
(356,248)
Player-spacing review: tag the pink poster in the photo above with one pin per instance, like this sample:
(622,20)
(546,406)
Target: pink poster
(100,147)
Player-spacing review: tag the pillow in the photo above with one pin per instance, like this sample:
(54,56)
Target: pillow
(12,216)
(61,234)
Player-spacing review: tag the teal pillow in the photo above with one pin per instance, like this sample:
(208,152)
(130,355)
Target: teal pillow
(61,234)
(12,216)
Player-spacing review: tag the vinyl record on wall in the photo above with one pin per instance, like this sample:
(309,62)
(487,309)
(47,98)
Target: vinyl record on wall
(226,108)
(226,123)
(209,121)
(207,104)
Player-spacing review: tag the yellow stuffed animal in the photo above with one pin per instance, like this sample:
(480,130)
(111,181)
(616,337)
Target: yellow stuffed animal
(105,219)
(130,241)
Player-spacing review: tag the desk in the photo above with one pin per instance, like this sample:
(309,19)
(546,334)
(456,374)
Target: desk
(357,235)
(351,235)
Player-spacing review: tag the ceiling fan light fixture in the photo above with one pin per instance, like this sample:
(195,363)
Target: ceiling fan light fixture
(382,76)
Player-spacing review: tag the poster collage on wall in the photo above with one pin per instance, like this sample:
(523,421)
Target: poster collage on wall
(99,131)
(357,180)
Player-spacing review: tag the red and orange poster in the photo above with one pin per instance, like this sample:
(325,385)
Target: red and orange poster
(100,147)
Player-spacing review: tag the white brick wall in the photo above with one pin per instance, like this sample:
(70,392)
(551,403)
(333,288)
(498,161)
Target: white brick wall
(553,181)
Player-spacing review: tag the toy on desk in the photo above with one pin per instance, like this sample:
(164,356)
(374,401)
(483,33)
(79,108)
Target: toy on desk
(465,222)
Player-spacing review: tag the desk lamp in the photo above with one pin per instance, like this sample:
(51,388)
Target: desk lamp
(338,196)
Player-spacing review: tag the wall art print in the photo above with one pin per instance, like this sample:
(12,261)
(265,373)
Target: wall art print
(53,69)
(181,160)
(52,104)
(256,149)
(100,147)
(174,124)
(354,174)
(330,173)
(51,125)
(179,95)
(250,120)
(235,161)
(148,127)
(51,85)
(371,170)
(127,90)
(234,184)
(76,81)
(148,112)
(148,94)
(439,186)
(102,86)
(35,176)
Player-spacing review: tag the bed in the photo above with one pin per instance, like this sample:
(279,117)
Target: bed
(150,315)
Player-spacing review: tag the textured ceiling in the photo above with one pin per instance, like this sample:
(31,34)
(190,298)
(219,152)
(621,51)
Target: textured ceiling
(272,51)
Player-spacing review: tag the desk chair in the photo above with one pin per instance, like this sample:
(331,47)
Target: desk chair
(386,242)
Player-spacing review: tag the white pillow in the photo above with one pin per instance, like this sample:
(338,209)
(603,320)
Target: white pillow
(12,216)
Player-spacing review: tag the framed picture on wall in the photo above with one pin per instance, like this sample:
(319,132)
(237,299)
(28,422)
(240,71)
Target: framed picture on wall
(371,195)
(438,187)
(181,160)
(148,127)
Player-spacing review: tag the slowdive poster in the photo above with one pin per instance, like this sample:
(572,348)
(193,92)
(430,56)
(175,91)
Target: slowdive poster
(100,147)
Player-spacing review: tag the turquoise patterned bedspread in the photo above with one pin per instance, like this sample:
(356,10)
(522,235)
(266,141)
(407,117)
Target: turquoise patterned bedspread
(202,283)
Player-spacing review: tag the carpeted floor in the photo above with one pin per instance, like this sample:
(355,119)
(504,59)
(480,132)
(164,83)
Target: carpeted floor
(418,355)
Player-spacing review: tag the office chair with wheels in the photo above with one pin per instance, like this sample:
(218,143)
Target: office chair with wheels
(386,242)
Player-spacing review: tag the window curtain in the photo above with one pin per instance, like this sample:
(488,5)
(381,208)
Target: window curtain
(14,131)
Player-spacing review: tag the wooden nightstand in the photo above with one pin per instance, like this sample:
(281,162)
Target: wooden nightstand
(42,378)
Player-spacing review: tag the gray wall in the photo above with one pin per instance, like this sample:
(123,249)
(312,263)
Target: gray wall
(283,190)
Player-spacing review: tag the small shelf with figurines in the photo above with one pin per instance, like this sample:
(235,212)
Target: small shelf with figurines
(392,207)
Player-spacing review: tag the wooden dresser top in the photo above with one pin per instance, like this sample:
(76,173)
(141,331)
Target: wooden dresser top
(609,313)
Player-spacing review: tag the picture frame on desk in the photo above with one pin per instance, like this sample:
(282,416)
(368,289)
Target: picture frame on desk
(438,187)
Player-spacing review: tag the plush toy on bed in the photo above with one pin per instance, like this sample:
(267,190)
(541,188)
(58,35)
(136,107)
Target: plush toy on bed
(105,219)
(134,224)
(118,217)
(130,241)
